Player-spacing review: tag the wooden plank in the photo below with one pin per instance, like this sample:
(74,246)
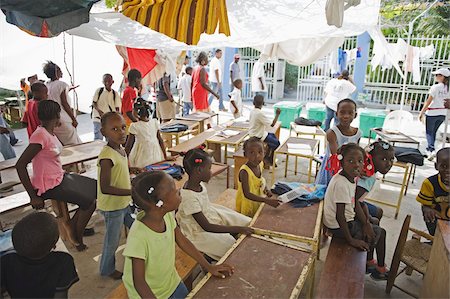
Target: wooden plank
(313,143)
(194,142)
(14,201)
(343,273)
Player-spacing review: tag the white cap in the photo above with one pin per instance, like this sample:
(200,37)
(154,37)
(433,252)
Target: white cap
(442,71)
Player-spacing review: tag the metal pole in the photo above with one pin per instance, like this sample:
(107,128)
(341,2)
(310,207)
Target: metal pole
(445,128)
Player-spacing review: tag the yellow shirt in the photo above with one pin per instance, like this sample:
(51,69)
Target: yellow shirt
(435,195)
(120,178)
(257,185)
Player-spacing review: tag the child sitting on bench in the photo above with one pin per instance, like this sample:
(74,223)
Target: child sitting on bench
(344,219)
(208,226)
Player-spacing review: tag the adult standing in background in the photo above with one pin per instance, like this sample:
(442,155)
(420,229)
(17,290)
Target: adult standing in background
(58,92)
(165,105)
(259,86)
(235,72)
(215,78)
(434,108)
(183,67)
(200,87)
(336,90)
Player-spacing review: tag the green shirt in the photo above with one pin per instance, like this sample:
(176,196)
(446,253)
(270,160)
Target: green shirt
(120,178)
(158,252)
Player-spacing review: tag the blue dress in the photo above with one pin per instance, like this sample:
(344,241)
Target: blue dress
(324,176)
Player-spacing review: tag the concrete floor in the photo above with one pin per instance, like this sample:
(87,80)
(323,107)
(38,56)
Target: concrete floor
(91,285)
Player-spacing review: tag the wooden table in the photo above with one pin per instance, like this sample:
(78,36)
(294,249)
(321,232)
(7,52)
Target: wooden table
(314,132)
(193,128)
(264,268)
(394,137)
(194,142)
(245,125)
(216,142)
(436,281)
(284,150)
(200,117)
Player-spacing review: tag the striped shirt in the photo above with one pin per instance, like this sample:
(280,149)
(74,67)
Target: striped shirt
(435,194)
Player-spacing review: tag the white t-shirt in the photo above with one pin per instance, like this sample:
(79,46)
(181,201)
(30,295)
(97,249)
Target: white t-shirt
(185,86)
(340,190)
(213,66)
(337,90)
(55,88)
(258,72)
(258,124)
(236,97)
(439,92)
(106,102)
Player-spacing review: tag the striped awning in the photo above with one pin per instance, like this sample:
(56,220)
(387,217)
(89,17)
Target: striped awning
(183,20)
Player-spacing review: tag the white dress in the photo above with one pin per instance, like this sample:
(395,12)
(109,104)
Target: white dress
(214,245)
(146,149)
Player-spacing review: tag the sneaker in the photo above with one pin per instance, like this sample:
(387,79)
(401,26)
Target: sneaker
(18,142)
(224,110)
(431,155)
(377,275)
(371,266)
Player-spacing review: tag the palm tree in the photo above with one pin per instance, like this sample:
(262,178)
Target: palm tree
(437,22)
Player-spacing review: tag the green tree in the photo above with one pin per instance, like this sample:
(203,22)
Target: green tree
(436,22)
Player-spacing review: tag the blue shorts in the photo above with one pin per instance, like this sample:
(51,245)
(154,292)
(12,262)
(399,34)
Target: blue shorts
(373,209)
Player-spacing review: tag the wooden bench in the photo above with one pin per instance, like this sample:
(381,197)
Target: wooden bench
(184,264)
(343,273)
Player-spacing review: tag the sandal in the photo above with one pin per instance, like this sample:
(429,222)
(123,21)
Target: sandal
(81,247)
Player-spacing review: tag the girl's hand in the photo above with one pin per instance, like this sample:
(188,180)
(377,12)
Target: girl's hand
(136,170)
(359,244)
(220,271)
(268,193)
(429,214)
(245,230)
(273,202)
(37,203)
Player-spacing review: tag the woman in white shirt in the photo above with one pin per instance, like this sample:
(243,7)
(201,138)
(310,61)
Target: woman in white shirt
(336,90)
(434,109)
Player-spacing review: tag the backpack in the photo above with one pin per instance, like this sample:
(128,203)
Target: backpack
(100,91)
(174,170)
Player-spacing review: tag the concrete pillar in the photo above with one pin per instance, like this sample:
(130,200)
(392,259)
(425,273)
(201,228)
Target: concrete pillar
(359,75)
(228,58)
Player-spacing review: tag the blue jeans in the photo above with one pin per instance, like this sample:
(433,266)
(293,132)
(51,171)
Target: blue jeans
(261,93)
(97,134)
(216,89)
(432,124)
(113,222)
(180,292)
(330,115)
(272,141)
(12,138)
(187,107)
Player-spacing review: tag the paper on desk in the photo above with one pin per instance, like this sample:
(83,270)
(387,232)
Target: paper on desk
(298,148)
(306,129)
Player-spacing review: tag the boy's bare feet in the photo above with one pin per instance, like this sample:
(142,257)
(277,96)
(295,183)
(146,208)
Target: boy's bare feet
(116,275)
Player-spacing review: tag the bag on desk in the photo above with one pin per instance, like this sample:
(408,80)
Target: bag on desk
(307,122)
(174,170)
(408,155)
(174,128)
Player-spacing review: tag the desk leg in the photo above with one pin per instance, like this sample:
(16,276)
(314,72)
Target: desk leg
(202,126)
(228,177)
(273,167)
(310,170)
(296,162)
(225,156)
(217,148)
(177,139)
(286,166)
(411,169)
(402,189)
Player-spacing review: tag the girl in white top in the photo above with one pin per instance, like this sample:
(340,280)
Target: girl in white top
(336,90)
(208,226)
(434,108)
(144,145)
(236,99)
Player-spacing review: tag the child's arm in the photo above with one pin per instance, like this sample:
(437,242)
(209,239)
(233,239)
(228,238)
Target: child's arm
(365,220)
(425,198)
(21,166)
(105,180)
(332,141)
(129,144)
(277,114)
(163,146)
(243,177)
(216,228)
(67,108)
(340,217)
(141,286)
(234,105)
(221,270)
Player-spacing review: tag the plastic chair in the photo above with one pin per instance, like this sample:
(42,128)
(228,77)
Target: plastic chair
(413,253)
(398,120)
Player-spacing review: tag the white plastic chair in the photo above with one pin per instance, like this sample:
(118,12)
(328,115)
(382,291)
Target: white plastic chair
(398,120)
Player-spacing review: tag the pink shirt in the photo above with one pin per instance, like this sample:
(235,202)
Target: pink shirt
(47,168)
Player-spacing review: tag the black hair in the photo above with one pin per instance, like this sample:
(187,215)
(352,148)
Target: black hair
(346,101)
(201,56)
(258,99)
(142,107)
(37,86)
(144,187)
(236,81)
(188,69)
(48,110)
(107,116)
(250,141)
(344,75)
(218,50)
(194,158)
(133,75)
(50,69)
(106,75)
(442,151)
(379,146)
(346,148)
(35,235)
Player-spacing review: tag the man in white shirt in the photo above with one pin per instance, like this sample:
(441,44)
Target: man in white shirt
(184,86)
(105,100)
(215,78)
(235,72)
(259,86)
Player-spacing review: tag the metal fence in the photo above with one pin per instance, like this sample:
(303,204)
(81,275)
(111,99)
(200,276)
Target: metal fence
(383,87)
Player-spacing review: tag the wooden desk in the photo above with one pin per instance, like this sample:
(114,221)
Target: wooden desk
(194,142)
(437,278)
(284,150)
(215,143)
(394,137)
(71,154)
(200,117)
(193,128)
(300,131)
(264,268)
(239,160)
(245,125)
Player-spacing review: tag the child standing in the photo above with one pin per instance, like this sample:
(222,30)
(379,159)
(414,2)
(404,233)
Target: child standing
(49,180)
(145,145)
(340,211)
(150,251)
(114,190)
(434,193)
(35,270)
(30,117)
(337,136)
(236,99)
(259,123)
(252,185)
(129,95)
(184,85)
(208,226)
